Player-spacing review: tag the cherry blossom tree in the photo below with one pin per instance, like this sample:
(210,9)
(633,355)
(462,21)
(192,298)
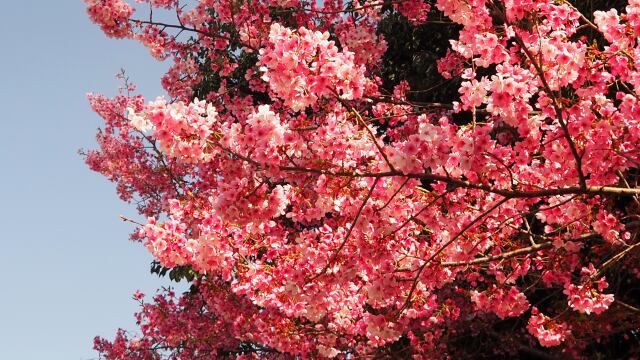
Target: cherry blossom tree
(335,184)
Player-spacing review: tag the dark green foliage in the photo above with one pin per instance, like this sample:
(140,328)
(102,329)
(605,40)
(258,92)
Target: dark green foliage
(412,54)
(176,274)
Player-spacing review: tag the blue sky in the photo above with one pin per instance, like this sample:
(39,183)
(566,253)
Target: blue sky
(67,267)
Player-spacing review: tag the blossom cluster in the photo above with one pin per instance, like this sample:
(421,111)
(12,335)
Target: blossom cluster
(302,66)
(182,130)
(504,303)
(546,330)
(112,15)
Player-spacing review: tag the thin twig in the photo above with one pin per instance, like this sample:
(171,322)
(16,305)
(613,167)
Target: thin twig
(613,260)
(504,255)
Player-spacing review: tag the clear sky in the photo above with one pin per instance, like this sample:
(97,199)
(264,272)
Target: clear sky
(66,265)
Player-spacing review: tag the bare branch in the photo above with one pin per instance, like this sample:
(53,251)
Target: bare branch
(504,255)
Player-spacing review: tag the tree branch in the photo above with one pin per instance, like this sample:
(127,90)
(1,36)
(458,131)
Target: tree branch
(505,255)
(443,247)
(348,234)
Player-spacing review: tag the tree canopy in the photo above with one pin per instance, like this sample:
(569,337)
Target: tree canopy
(385,179)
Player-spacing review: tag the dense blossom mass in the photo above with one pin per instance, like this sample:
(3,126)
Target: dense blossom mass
(324,202)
